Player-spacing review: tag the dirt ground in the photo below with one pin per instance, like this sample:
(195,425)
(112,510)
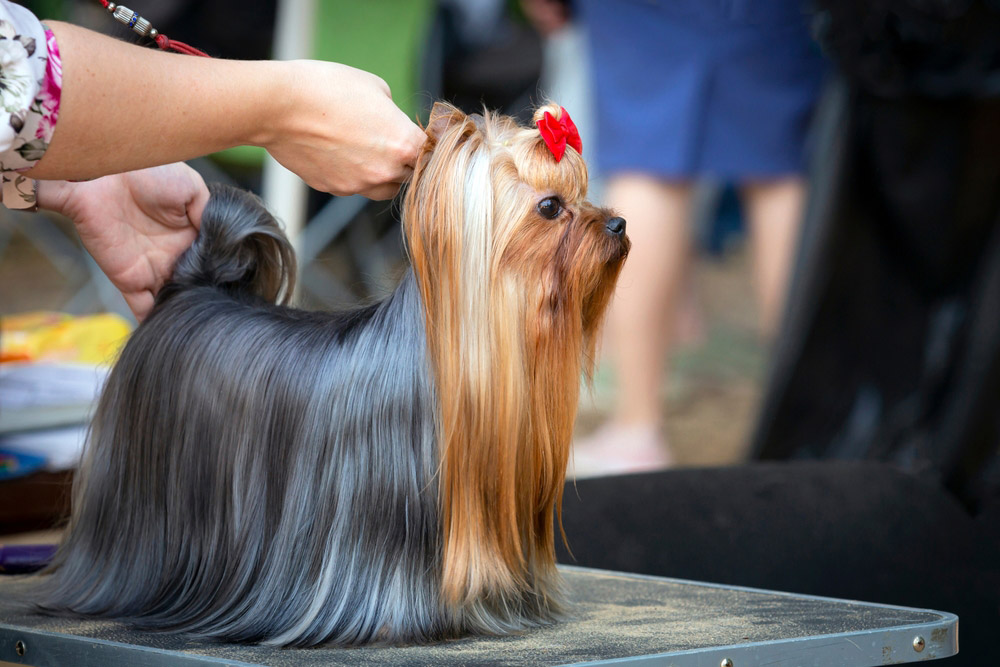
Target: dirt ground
(713,387)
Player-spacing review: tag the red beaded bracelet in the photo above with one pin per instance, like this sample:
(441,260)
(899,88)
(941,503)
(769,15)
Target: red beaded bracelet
(142,27)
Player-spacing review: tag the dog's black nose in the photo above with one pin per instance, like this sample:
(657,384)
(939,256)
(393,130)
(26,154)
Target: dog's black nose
(615,226)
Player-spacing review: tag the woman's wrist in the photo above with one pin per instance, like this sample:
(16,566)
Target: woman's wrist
(270,107)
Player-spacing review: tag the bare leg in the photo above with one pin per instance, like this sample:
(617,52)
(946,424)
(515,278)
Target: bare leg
(642,315)
(641,318)
(774,210)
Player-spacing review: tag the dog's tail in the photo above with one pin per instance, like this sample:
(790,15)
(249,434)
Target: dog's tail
(240,248)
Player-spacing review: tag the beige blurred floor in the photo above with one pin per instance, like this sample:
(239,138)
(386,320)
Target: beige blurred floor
(36,537)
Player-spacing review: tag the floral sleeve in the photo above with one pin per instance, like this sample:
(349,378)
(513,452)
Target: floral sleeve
(30,88)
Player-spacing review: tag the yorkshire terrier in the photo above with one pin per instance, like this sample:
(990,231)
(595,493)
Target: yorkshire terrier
(389,474)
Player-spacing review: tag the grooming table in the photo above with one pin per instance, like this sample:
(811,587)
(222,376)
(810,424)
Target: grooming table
(615,617)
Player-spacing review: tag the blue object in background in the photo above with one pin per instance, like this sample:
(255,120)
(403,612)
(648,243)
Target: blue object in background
(25,558)
(16,464)
(716,88)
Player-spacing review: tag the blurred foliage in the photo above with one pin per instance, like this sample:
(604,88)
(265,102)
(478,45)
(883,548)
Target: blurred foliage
(386,38)
(48,9)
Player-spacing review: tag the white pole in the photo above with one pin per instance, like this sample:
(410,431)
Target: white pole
(283,191)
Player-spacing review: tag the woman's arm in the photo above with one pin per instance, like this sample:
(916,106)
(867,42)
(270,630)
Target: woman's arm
(126,107)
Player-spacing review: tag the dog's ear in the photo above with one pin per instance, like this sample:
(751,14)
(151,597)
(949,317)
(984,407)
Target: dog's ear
(443,116)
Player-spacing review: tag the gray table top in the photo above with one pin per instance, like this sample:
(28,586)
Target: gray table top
(652,620)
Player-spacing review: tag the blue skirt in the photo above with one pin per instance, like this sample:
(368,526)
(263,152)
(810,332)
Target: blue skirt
(683,88)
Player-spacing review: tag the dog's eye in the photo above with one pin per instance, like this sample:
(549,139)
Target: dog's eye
(550,208)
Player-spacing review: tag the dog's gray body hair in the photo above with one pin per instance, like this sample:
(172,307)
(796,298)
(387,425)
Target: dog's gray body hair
(259,473)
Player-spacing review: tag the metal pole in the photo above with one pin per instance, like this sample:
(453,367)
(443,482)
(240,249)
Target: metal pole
(283,191)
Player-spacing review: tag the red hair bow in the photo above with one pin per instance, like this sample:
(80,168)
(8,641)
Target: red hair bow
(558,133)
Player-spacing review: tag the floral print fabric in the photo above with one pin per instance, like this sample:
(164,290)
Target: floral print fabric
(30,89)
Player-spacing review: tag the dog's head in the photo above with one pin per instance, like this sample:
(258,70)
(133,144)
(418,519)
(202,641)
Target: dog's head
(515,269)
(501,228)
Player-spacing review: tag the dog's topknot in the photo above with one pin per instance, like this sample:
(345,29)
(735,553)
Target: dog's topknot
(240,247)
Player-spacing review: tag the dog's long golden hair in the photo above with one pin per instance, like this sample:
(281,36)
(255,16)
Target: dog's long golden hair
(513,302)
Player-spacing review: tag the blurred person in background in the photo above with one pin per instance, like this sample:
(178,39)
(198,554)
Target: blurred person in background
(121,109)
(890,350)
(878,442)
(686,90)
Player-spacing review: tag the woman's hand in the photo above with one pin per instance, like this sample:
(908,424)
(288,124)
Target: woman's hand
(135,225)
(341,133)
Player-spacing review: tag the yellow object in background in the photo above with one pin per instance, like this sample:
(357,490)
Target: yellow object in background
(47,336)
